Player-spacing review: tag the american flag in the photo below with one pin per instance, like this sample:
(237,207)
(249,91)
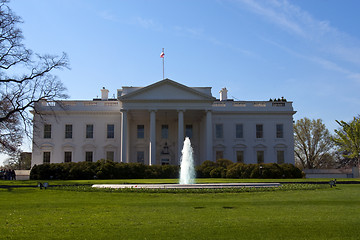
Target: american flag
(162,54)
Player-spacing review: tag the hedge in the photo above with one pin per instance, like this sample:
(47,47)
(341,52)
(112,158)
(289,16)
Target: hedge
(226,169)
(102,169)
(106,169)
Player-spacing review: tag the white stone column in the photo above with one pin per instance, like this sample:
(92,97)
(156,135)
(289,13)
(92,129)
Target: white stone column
(180,133)
(152,143)
(208,136)
(128,138)
(124,122)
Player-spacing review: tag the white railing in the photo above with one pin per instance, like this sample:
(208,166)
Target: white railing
(239,104)
(69,103)
(255,105)
(111,103)
(90,103)
(78,104)
(259,104)
(48,104)
(219,104)
(278,104)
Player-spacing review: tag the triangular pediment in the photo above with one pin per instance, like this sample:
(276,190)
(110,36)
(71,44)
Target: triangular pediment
(167,90)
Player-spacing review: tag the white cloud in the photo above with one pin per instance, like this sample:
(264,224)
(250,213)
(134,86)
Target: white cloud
(189,32)
(137,21)
(199,33)
(147,23)
(319,33)
(291,18)
(280,14)
(106,15)
(327,64)
(321,61)
(355,76)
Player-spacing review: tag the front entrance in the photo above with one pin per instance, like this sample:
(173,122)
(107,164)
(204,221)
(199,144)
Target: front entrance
(165,156)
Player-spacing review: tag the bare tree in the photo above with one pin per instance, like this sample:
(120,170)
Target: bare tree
(19,92)
(312,143)
(11,132)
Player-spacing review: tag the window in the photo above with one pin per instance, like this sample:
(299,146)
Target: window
(110,131)
(89,131)
(219,155)
(164,131)
(259,131)
(239,131)
(47,130)
(140,131)
(140,157)
(165,161)
(68,131)
(88,156)
(67,156)
(279,131)
(110,155)
(219,131)
(260,156)
(46,157)
(240,156)
(280,157)
(189,131)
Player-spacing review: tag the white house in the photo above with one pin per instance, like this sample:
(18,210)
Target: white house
(148,125)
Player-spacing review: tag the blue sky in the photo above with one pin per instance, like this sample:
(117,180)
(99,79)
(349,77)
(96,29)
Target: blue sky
(307,51)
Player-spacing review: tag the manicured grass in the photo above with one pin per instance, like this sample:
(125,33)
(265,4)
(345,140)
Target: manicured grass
(326,213)
(154,181)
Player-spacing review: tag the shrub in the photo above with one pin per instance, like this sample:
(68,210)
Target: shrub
(290,171)
(218,172)
(83,170)
(255,170)
(271,170)
(106,169)
(102,169)
(225,163)
(225,168)
(34,173)
(203,170)
(169,171)
(235,170)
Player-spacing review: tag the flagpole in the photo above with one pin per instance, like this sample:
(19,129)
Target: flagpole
(163,64)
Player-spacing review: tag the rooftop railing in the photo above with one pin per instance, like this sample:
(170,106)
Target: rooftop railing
(77,105)
(217,105)
(252,105)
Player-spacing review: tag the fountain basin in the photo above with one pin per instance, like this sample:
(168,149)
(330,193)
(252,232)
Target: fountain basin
(187,186)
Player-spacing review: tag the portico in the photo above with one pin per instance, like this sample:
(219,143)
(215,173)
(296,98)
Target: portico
(158,135)
(166,112)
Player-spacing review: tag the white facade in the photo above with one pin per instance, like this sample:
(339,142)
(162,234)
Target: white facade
(149,124)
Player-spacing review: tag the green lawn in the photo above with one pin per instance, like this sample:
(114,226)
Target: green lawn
(326,213)
(139,181)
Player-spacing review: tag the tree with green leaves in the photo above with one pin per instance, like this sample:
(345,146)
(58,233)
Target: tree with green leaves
(347,139)
(312,143)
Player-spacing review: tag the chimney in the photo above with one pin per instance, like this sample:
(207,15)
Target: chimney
(223,94)
(104,94)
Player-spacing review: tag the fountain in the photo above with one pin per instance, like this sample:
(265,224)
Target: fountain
(187,177)
(187,171)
